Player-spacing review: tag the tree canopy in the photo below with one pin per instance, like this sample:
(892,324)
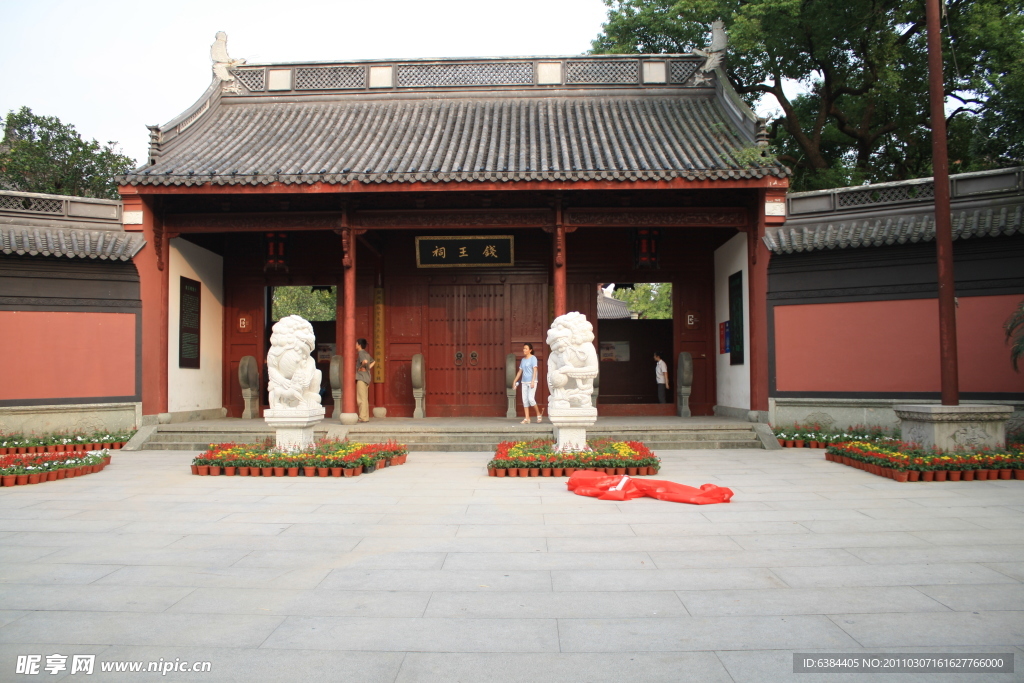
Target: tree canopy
(319,305)
(652,300)
(863,115)
(42,154)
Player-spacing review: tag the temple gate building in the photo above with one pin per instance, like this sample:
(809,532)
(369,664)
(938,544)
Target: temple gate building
(458,206)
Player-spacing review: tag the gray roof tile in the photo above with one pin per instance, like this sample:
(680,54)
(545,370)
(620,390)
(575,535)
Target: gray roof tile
(876,232)
(102,244)
(572,138)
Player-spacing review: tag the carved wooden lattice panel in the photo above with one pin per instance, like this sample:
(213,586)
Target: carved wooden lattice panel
(886,195)
(602,71)
(437,75)
(34,204)
(254,80)
(680,71)
(330,78)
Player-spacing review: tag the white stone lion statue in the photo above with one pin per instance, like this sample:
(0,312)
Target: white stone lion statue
(294,378)
(572,363)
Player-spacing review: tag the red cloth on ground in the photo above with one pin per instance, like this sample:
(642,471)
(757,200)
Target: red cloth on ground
(624,487)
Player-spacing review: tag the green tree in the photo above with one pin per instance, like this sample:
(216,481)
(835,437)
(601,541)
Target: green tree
(863,63)
(41,154)
(319,305)
(652,300)
(1015,335)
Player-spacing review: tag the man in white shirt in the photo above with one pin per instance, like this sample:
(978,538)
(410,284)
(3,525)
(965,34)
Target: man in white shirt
(660,376)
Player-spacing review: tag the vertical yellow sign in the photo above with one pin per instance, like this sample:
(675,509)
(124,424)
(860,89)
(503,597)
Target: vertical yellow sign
(378,335)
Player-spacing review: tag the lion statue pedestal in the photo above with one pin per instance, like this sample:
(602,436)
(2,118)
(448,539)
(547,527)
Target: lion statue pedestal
(572,368)
(294,383)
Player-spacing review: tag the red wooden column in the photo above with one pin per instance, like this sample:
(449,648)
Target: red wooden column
(948,358)
(151,263)
(348,341)
(558,237)
(771,210)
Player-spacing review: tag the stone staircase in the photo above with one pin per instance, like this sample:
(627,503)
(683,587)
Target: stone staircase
(177,437)
(468,435)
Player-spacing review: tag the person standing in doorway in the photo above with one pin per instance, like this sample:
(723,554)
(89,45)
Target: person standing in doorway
(660,376)
(528,373)
(364,364)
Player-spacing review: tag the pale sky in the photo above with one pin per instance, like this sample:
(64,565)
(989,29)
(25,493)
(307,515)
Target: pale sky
(112,67)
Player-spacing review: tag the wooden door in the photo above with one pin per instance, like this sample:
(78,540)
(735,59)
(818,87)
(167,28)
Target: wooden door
(466,350)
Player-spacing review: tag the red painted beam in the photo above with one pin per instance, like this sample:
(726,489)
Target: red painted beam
(356,186)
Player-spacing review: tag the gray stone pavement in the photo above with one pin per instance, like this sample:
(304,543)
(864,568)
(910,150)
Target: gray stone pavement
(434,572)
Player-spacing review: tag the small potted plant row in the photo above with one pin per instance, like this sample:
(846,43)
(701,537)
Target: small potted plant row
(909,462)
(328,458)
(540,459)
(36,468)
(816,436)
(20,444)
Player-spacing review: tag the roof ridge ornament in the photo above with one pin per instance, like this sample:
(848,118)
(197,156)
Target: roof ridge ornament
(714,55)
(222,62)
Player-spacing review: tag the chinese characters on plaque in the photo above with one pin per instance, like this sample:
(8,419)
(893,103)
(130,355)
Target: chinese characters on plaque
(477,251)
(188,326)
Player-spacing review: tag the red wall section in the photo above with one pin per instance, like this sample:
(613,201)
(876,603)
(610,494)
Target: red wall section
(51,354)
(891,346)
(983,351)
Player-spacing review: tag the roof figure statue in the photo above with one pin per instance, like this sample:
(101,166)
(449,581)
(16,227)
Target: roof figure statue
(715,52)
(222,62)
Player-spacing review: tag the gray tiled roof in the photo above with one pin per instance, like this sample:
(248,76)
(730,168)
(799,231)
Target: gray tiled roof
(102,244)
(498,139)
(609,308)
(983,204)
(877,232)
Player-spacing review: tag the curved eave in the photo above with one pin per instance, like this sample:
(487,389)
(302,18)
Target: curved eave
(94,244)
(437,178)
(907,229)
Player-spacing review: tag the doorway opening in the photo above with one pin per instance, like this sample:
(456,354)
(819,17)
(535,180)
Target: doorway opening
(634,324)
(319,305)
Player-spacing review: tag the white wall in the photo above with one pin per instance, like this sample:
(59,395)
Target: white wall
(733,380)
(187,388)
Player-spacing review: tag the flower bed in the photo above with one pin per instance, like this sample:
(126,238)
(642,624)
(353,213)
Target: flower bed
(328,458)
(540,459)
(908,462)
(22,444)
(35,468)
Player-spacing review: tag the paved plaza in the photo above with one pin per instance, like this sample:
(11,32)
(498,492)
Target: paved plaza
(433,572)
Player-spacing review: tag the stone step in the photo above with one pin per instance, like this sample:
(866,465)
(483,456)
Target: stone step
(485,447)
(473,438)
(238,437)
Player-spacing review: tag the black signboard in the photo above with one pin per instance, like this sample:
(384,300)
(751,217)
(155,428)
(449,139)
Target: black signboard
(736,318)
(476,251)
(188,323)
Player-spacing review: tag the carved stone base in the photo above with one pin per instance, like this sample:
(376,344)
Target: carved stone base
(571,427)
(953,427)
(380,411)
(349,418)
(418,412)
(683,401)
(294,426)
(252,404)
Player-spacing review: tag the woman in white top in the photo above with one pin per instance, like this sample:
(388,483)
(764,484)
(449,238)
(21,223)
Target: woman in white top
(528,373)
